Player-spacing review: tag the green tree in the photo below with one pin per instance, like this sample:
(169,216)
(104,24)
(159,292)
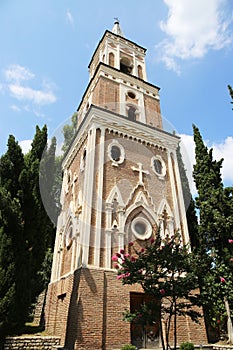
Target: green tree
(207,177)
(38,228)
(14,300)
(69,132)
(26,232)
(11,166)
(164,270)
(215,228)
(230,92)
(188,201)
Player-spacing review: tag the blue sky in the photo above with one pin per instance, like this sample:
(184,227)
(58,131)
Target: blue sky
(46,47)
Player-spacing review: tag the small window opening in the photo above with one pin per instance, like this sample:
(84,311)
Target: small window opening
(140,228)
(140,75)
(111,59)
(84,155)
(131,95)
(132,113)
(126,66)
(115,153)
(158,166)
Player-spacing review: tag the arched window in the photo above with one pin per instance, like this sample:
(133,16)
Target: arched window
(111,59)
(125,65)
(83,159)
(140,75)
(132,113)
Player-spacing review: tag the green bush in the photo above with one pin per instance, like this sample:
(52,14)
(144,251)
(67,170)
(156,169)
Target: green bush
(186,346)
(128,347)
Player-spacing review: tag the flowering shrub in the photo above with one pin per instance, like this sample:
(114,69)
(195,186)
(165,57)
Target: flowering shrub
(164,270)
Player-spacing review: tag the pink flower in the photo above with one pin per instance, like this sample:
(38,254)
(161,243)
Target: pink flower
(118,255)
(133,258)
(127,274)
(142,250)
(222,279)
(130,244)
(152,240)
(231,259)
(127,255)
(120,276)
(116,266)
(230,241)
(162,291)
(114,258)
(122,251)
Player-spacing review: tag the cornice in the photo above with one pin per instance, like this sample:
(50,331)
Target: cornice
(98,117)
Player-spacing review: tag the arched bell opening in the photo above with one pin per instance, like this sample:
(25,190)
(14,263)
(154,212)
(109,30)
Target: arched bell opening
(126,65)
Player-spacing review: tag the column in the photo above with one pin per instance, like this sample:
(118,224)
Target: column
(99,203)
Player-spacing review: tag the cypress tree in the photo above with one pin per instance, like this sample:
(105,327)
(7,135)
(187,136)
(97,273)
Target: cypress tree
(14,301)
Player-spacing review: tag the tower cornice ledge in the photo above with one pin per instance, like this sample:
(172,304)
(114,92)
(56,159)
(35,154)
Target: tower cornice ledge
(98,117)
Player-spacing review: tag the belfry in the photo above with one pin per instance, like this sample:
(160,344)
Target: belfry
(121,182)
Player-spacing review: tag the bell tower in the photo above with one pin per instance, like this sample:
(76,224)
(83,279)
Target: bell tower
(121,182)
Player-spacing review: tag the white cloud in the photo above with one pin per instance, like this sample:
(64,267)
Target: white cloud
(15,108)
(220,150)
(25,145)
(18,81)
(17,73)
(193,27)
(224,150)
(38,97)
(188,156)
(70,17)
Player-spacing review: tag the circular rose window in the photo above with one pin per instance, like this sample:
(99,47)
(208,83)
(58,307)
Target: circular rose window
(141,228)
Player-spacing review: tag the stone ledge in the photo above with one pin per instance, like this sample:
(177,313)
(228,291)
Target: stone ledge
(36,342)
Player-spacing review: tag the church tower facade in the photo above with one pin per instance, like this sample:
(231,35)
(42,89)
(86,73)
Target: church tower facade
(121,182)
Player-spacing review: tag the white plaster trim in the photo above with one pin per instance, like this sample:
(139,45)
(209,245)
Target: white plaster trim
(87,195)
(99,199)
(152,216)
(134,190)
(173,187)
(115,193)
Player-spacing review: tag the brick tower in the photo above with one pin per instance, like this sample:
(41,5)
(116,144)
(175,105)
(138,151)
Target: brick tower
(120,182)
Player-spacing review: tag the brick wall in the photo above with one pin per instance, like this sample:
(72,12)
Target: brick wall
(152,109)
(90,314)
(106,94)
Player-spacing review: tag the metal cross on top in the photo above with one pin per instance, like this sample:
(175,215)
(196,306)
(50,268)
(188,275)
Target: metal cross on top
(141,172)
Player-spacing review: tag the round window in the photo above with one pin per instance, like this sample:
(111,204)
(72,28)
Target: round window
(115,153)
(131,95)
(141,228)
(158,166)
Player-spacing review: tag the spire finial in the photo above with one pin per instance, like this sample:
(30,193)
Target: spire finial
(116,28)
